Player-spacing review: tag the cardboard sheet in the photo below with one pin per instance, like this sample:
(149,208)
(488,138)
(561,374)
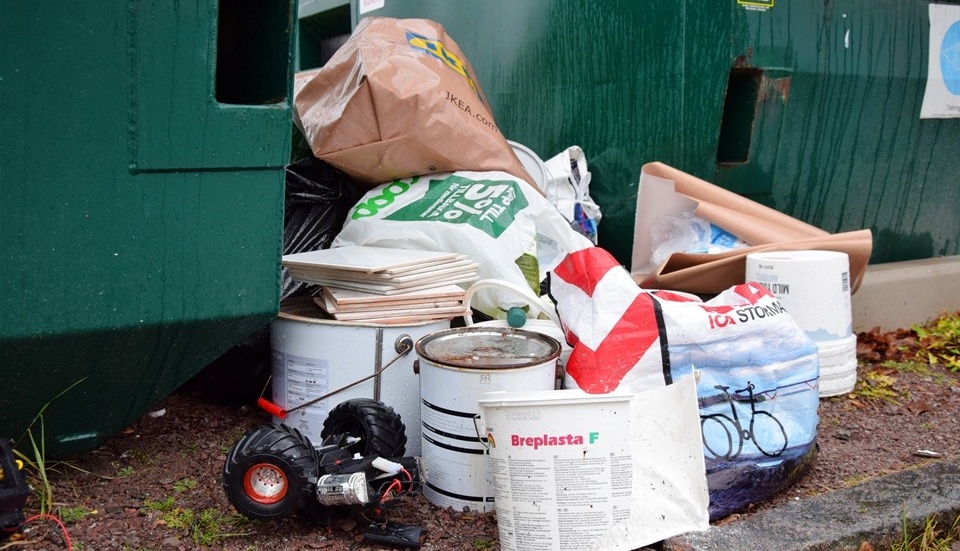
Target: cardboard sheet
(667,190)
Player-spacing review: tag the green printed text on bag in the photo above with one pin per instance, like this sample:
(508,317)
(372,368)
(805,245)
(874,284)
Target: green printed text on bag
(488,205)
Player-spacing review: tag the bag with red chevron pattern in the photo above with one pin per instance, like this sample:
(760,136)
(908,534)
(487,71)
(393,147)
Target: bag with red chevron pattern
(756,371)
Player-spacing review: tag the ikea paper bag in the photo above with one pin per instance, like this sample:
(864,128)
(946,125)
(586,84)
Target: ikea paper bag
(398,100)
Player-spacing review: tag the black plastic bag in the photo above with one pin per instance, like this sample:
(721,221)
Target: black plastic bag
(317,200)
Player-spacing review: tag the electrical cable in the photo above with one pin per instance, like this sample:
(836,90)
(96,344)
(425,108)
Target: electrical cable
(63,529)
(394,487)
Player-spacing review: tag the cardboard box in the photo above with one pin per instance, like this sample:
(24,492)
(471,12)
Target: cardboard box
(667,190)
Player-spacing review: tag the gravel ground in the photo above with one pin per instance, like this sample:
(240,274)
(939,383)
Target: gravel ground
(157,485)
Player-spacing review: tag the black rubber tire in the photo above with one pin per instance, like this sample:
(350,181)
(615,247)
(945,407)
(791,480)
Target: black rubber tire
(270,473)
(380,429)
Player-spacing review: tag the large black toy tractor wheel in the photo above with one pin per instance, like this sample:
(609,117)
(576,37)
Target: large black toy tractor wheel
(270,473)
(380,429)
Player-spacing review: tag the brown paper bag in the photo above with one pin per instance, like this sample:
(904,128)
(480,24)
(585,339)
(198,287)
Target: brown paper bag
(763,228)
(398,100)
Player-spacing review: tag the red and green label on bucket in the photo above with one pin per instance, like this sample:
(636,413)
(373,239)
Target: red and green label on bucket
(545,440)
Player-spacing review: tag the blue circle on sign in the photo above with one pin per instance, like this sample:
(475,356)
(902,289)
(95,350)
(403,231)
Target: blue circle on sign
(950,58)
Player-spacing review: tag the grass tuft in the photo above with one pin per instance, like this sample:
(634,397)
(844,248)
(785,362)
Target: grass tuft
(932,538)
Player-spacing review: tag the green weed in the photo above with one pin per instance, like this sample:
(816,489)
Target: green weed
(237,520)
(178,518)
(190,448)
(38,463)
(75,514)
(932,538)
(940,341)
(483,545)
(877,387)
(919,368)
(161,506)
(204,527)
(184,484)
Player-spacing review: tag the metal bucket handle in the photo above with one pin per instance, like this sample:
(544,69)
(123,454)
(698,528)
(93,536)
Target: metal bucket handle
(537,305)
(476,428)
(403,345)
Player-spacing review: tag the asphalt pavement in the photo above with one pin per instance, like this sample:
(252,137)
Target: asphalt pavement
(874,511)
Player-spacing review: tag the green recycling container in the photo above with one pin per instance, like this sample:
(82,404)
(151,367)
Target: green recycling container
(812,108)
(142,146)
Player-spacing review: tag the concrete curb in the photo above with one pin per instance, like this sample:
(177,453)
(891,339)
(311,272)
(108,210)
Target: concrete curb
(873,511)
(900,294)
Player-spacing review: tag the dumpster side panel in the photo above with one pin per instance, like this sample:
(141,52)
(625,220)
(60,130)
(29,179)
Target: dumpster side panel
(129,257)
(810,107)
(850,149)
(606,75)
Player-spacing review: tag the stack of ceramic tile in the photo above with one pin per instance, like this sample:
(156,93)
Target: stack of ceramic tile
(385,285)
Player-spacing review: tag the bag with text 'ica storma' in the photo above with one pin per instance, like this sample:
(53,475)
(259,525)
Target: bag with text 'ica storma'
(756,371)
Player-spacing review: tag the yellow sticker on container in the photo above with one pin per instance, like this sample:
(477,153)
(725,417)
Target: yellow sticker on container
(756,5)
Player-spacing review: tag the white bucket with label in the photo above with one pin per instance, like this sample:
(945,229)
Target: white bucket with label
(562,466)
(457,366)
(313,355)
(814,287)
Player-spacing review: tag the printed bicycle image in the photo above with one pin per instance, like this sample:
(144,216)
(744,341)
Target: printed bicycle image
(761,422)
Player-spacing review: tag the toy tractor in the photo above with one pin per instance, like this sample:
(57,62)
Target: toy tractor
(274,471)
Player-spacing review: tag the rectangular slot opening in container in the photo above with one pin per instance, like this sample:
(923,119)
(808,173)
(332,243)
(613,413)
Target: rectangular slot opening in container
(253,51)
(739,112)
(321,35)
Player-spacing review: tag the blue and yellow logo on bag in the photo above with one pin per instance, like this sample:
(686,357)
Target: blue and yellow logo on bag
(436,49)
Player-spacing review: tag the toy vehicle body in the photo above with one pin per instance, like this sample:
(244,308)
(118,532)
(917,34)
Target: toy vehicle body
(274,471)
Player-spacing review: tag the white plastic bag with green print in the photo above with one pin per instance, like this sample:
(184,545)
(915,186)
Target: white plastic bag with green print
(500,222)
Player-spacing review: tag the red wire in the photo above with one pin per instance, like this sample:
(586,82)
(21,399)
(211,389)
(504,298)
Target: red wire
(395,486)
(58,522)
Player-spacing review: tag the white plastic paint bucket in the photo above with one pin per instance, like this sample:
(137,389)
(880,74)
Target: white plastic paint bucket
(562,466)
(838,365)
(814,288)
(457,366)
(532,163)
(313,356)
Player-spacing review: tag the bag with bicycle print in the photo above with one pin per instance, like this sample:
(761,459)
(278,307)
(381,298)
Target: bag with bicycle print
(756,371)
(757,379)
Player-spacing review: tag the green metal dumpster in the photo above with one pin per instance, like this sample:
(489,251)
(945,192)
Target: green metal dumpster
(141,201)
(809,107)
